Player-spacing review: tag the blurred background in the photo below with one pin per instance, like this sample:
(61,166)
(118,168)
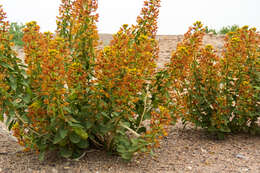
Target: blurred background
(175,15)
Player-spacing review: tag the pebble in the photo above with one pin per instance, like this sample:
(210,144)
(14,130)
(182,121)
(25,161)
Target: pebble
(189,167)
(240,156)
(54,170)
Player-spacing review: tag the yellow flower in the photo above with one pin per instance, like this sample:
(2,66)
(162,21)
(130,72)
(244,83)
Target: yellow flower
(198,24)
(209,47)
(182,49)
(107,49)
(32,23)
(235,39)
(125,26)
(245,27)
(53,51)
(15,126)
(143,37)
(47,33)
(35,105)
(245,83)
(76,64)
(162,109)
(59,39)
(11,44)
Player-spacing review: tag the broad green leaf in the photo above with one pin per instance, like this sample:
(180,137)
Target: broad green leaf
(57,138)
(74,138)
(81,132)
(225,129)
(70,119)
(63,132)
(66,153)
(88,125)
(63,142)
(83,144)
(75,125)
(127,156)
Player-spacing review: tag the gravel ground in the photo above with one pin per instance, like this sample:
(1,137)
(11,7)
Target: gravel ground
(184,150)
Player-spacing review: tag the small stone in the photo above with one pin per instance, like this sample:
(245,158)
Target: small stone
(54,170)
(240,156)
(245,169)
(203,151)
(189,168)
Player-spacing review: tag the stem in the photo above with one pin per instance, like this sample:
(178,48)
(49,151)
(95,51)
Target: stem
(30,128)
(131,130)
(145,108)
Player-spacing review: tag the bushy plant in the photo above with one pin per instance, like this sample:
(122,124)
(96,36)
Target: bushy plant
(227,29)
(11,75)
(16,31)
(220,94)
(207,30)
(74,96)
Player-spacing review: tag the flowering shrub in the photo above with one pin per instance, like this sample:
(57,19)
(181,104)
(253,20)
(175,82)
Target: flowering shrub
(11,75)
(220,94)
(227,29)
(124,73)
(71,96)
(74,96)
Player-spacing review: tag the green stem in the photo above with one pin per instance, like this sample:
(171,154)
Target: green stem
(145,108)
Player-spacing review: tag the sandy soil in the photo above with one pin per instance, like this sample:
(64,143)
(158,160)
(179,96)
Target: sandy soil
(184,150)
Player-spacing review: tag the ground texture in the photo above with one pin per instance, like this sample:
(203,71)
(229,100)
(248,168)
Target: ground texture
(184,150)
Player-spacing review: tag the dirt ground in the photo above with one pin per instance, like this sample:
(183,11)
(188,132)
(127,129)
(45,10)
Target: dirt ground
(184,150)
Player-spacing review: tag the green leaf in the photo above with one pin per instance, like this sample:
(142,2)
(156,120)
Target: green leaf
(76,125)
(88,125)
(25,118)
(74,138)
(13,82)
(225,129)
(105,115)
(83,144)
(66,153)
(4,64)
(127,156)
(81,132)
(57,138)
(11,124)
(212,129)
(27,99)
(70,119)
(2,115)
(42,155)
(63,133)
